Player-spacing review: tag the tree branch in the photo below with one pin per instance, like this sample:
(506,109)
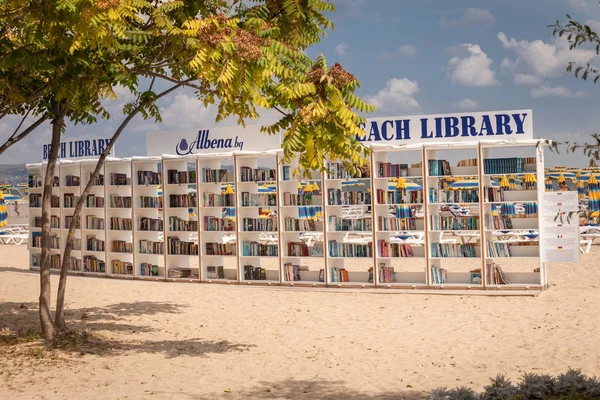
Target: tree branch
(12,140)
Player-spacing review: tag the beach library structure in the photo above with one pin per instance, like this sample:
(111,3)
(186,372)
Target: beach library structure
(446,202)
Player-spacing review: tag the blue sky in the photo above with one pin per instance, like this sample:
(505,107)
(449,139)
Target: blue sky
(422,57)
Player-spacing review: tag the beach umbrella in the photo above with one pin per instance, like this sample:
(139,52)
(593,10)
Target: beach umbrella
(3,211)
(531,208)
(512,182)
(578,174)
(580,190)
(586,176)
(300,188)
(229,213)
(403,211)
(561,176)
(494,210)
(228,189)
(507,209)
(594,194)
(393,185)
(548,184)
(308,188)
(504,183)
(352,182)
(469,184)
(401,184)
(530,181)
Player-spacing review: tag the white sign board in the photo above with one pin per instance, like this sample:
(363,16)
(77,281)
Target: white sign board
(440,128)
(80,149)
(214,140)
(560,234)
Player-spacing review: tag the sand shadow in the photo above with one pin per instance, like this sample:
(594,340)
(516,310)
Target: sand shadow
(300,389)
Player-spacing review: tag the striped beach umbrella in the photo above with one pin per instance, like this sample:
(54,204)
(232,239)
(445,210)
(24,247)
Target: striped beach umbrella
(513,182)
(469,184)
(548,183)
(229,213)
(393,185)
(267,188)
(594,195)
(561,176)
(586,176)
(580,190)
(3,211)
(531,208)
(495,212)
(403,211)
(507,209)
(530,181)
(504,183)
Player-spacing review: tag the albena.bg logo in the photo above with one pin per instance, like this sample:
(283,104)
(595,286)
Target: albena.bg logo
(203,141)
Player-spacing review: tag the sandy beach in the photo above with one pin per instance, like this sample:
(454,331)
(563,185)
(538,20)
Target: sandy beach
(200,341)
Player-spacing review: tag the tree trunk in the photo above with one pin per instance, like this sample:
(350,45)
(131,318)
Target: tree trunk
(64,270)
(45,288)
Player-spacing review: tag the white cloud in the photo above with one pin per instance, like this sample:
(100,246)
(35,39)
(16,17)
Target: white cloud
(473,17)
(186,112)
(398,95)
(594,25)
(544,60)
(583,5)
(471,67)
(406,50)
(527,79)
(557,91)
(341,49)
(466,105)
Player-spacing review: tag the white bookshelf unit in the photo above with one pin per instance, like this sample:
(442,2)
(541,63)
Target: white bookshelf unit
(149,245)
(301,226)
(217,218)
(416,218)
(119,214)
(257,213)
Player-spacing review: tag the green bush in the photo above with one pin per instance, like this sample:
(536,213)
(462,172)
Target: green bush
(572,385)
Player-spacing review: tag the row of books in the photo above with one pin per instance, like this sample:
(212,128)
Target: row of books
(215,272)
(183,200)
(217,200)
(72,180)
(74,264)
(338,275)
(183,273)
(121,224)
(500,222)
(389,170)
(291,272)
(396,224)
(121,267)
(150,247)
(512,165)
(117,201)
(293,199)
(99,180)
(470,162)
(439,168)
(175,246)
(258,199)
(150,224)
(453,196)
(444,223)
(220,249)
(348,225)
(70,200)
(336,170)
(214,175)
(452,250)
(297,249)
(495,275)
(256,249)
(149,178)
(394,250)
(259,225)
(34,180)
(121,246)
(176,177)
(350,249)
(336,197)
(55,201)
(94,244)
(297,224)
(36,238)
(93,264)
(151,202)
(493,194)
(438,275)
(35,200)
(118,179)
(177,224)
(252,273)
(93,201)
(496,249)
(399,196)
(248,174)
(386,274)
(214,224)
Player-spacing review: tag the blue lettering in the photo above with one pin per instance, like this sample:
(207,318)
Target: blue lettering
(358,137)
(503,124)
(101,146)
(374,134)
(45,152)
(384,130)
(486,126)
(424,134)
(519,123)
(468,126)
(402,125)
(438,127)
(63,150)
(451,127)
(87,148)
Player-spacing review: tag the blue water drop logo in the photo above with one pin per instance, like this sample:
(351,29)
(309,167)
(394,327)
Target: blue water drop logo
(183,148)
(183,145)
